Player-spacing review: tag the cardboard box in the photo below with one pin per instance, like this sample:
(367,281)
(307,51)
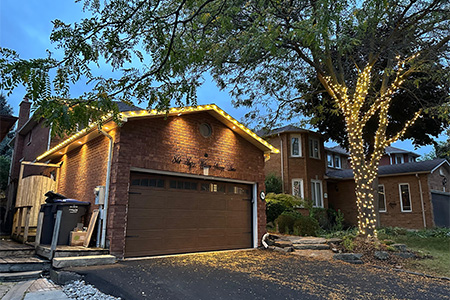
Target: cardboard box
(77,238)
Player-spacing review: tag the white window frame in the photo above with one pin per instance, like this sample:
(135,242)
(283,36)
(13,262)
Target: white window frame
(311,151)
(302,188)
(411,159)
(299,137)
(401,199)
(384,197)
(332,160)
(340,162)
(402,159)
(315,181)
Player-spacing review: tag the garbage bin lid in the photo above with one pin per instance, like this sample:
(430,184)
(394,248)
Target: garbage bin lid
(70,201)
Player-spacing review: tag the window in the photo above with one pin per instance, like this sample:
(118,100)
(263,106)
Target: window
(412,159)
(148,182)
(316,193)
(296,146)
(314,150)
(399,159)
(330,160)
(337,162)
(183,185)
(297,187)
(205,130)
(405,200)
(213,187)
(381,199)
(29,138)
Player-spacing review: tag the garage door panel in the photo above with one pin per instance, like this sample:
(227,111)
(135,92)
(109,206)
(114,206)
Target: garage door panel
(169,219)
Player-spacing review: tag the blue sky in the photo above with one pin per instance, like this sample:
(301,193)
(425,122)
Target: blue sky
(25,26)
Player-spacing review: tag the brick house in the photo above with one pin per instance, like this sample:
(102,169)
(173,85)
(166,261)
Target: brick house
(411,195)
(300,163)
(184,180)
(303,161)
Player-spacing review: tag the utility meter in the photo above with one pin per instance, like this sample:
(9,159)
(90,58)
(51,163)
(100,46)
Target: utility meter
(99,193)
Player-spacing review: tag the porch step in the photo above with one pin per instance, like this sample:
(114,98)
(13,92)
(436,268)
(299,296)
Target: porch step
(23,264)
(311,246)
(20,276)
(82,261)
(17,252)
(69,251)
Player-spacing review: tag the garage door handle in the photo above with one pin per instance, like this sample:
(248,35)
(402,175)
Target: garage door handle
(131,236)
(134,193)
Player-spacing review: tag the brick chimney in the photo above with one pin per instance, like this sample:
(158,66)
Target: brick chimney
(24,112)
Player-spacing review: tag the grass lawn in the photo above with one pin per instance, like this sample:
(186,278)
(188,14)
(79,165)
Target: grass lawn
(437,247)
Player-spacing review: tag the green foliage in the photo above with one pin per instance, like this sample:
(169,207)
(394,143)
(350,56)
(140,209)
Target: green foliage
(5,108)
(4,172)
(348,242)
(276,204)
(273,184)
(438,232)
(306,226)
(285,223)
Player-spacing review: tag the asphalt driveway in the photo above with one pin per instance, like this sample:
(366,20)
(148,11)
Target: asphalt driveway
(257,274)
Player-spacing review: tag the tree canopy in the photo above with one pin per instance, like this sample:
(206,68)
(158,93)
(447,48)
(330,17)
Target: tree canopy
(264,50)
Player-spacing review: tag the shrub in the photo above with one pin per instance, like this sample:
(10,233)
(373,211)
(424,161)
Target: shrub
(285,223)
(276,204)
(273,184)
(347,242)
(306,226)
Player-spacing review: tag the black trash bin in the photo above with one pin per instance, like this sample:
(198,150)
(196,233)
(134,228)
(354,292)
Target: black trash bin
(72,213)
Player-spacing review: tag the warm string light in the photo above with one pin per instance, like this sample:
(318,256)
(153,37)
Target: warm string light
(366,172)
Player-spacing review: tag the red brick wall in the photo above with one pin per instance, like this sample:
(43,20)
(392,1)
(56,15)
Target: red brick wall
(436,179)
(385,160)
(304,167)
(151,144)
(342,196)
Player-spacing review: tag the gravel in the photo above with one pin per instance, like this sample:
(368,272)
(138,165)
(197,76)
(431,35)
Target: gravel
(83,291)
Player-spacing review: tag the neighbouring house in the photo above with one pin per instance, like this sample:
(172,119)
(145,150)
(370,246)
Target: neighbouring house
(300,163)
(411,195)
(184,180)
(310,170)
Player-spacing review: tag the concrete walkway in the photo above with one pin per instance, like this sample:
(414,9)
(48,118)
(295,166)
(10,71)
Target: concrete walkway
(38,289)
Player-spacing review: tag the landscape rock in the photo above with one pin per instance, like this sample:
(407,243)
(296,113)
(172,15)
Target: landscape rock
(405,254)
(400,247)
(312,246)
(381,255)
(353,258)
(282,244)
(334,241)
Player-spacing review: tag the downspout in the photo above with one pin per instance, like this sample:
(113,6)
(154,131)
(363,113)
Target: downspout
(282,163)
(108,180)
(421,201)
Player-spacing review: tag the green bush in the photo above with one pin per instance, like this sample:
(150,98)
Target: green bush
(276,204)
(347,242)
(273,184)
(285,223)
(306,226)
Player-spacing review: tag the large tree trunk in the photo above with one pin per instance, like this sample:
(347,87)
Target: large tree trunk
(365,195)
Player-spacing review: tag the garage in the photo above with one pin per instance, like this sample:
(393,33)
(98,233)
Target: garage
(170,215)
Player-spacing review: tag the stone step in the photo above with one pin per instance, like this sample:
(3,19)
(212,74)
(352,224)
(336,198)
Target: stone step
(311,246)
(23,264)
(308,240)
(82,261)
(20,276)
(69,251)
(17,252)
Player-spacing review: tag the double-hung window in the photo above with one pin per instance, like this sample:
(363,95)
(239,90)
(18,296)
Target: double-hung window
(381,198)
(297,187)
(405,197)
(337,162)
(399,159)
(296,146)
(314,150)
(330,160)
(316,193)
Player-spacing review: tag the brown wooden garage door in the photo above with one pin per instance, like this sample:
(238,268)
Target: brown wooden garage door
(168,215)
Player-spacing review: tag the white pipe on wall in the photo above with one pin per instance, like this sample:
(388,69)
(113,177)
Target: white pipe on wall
(108,180)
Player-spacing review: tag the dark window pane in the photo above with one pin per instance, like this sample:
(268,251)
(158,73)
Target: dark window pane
(406,201)
(180,185)
(221,188)
(193,185)
(135,182)
(152,182)
(173,184)
(160,183)
(144,182)
(205,187)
